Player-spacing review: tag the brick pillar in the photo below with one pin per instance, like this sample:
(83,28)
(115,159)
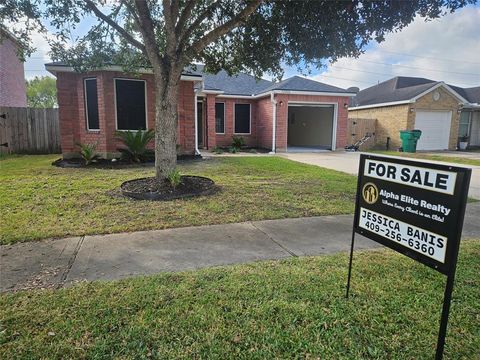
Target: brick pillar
(68,113)
(282,123)
(211,136)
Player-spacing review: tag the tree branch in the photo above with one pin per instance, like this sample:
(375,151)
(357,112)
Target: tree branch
(174,10)
(171,38)
(147,30)
(187,11)
(218,32)
(129,38)
(167,14)
(187,32)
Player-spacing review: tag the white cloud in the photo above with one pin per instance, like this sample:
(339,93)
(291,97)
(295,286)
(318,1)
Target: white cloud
(35,64)
(443,49)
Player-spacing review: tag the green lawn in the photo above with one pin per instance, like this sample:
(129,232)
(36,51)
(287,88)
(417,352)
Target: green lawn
(287,309)
(451,159)
(38,200)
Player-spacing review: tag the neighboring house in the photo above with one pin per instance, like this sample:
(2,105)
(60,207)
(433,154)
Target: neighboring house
(444,113)
(12,80)
(296,113)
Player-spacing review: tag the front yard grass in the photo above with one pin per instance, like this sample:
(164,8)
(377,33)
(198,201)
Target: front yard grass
(38,200)
(450,159)
(290,309)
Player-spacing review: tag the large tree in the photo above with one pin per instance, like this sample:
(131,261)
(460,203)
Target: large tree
(255,36)
(42,92)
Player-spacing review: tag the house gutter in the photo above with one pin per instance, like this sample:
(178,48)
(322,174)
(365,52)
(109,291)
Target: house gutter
(274,122)
(197,151)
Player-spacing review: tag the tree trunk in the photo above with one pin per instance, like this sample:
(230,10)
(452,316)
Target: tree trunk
(166,118)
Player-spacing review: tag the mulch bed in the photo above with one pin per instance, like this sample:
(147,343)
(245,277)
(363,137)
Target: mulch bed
(150,189)
(109,164)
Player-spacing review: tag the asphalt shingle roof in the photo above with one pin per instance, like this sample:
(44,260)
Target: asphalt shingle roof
(240,84)
(247,85)
(303,84)
(396,89)
(471,94)
(403,88)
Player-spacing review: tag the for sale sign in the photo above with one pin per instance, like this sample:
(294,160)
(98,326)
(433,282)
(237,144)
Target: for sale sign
(413,207)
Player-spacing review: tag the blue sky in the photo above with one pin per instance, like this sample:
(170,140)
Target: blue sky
(445,49)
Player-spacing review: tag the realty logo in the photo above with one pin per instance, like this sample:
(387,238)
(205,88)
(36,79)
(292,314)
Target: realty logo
(370,193)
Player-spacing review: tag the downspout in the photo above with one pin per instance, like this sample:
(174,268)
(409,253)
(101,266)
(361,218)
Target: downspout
(197,151)
(274,122)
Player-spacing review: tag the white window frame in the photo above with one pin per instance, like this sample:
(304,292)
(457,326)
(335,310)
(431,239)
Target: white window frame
(86,104)
(115,101)
(470,117)
(224,117)
(250,118)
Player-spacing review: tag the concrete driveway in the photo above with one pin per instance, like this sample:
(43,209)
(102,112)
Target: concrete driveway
(348,162)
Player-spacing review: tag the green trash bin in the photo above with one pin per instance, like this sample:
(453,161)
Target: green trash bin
(409,140)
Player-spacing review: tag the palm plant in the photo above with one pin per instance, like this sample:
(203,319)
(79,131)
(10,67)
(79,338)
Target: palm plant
(238,142)
(135,142)
(88,152)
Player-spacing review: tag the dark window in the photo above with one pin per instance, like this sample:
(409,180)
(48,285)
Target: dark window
(130,97)
(220,118)
(91,104)
(242,118)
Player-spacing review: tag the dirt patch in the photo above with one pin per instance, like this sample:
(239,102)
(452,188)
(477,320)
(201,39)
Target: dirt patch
(151,189)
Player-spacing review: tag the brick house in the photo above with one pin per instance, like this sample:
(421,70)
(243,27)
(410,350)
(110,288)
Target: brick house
(444,113)
(294,114)
(12,81)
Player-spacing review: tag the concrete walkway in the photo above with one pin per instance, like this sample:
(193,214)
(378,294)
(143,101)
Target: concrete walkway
(348,162)
(54,263)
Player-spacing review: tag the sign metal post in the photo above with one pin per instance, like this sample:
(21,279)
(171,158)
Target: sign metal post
(417,209)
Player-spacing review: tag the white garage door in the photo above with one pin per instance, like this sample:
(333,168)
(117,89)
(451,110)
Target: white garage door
(435,126)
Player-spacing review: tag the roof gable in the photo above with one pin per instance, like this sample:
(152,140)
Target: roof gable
(402,90)
(5,34)
(298,83)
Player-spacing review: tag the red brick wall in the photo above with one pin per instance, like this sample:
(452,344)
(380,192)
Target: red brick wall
(210,122)
(68,111)
(186,117)
(264,123)
(73,127)
(282,115)
(226,139)
(12,81)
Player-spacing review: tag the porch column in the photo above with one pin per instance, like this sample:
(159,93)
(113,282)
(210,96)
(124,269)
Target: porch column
(210,113)
(282,122)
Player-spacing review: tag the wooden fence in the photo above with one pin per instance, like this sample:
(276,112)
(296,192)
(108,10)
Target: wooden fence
(358,128)
(29,130)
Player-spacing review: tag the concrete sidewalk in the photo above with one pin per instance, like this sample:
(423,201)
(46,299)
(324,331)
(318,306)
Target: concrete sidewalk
(54,263)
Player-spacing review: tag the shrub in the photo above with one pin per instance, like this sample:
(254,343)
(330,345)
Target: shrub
(174,178)
(88,152)
(135,142)
(217,150)
(238,142)
(233,149)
